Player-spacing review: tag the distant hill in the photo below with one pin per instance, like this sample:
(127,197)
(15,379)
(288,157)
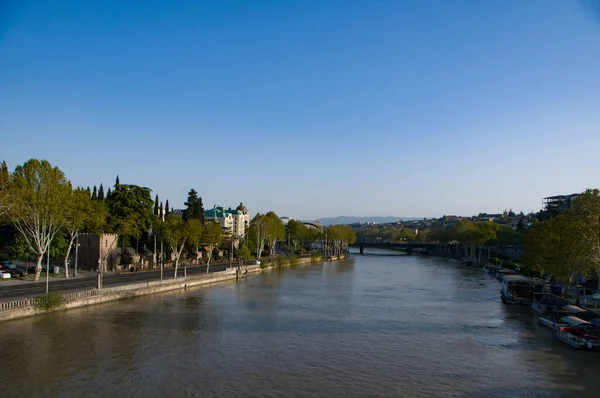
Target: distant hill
(326,221)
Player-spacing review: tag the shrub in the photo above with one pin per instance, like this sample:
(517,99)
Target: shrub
(281,260)
(50,302)
(293,260)
(315,257)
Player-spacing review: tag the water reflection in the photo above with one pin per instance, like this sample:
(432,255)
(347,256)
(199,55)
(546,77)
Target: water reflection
(369,326)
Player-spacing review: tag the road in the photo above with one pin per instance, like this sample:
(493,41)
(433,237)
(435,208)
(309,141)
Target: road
(33,289)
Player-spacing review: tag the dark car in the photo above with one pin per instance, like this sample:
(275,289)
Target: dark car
(14,272)
(7,265)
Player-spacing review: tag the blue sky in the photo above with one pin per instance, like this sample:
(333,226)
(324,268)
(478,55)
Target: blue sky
(309,108)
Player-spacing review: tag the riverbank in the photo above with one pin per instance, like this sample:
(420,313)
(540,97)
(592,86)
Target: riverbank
(25,307)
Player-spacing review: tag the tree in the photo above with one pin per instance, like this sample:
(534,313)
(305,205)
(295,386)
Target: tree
(194,208)
(4,189)
(38,205)
(78,208)
(258,233)
(406,234)
(130,211)
(275,230)
(167,207)
(297,233)
(156,206)
(94,194)
(423,235)
(211,236)
(101,193)
(556,247)
(587,212)
(177,233)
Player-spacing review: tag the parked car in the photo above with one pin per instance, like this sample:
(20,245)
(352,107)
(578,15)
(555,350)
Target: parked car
(4,275)
(7,265)
(14,272)
(254,262)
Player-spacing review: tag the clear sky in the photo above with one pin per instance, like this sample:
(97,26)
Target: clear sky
(309,108)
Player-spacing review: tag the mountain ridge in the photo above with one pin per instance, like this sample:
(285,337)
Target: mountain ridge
(326,221)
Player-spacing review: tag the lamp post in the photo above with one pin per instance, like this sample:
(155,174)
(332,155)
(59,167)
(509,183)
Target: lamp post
(76,255)
(47,269)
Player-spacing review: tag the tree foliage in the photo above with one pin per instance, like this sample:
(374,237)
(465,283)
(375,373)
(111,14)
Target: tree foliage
(130,209)
(38,205)
(194,208)
(177,232)
(212,236)
(4,189)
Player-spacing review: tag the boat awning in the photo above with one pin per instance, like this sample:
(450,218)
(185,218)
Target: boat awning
(574,321)
(572,308)
(515,279)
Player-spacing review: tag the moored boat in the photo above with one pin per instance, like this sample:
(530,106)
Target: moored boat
(517,289)
(578,337)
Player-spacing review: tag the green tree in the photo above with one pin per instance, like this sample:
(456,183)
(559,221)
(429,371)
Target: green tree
(101,193)
(177,233)
(167,210)
(556,247)
(258,233)
(156,213)
(38,207)
(297,233)
(406,234)
(275,231)
(212,236)
(94,194)
(194,208)
(587,213)
(423,235)
(78,209)
(4,189)
(130,211)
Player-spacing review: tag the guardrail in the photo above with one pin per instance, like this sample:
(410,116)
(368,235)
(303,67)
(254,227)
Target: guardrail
(28,302)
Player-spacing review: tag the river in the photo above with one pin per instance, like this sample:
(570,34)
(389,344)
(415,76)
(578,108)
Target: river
(377,325)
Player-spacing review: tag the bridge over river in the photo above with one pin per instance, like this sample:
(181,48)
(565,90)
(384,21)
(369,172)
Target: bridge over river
(407,247)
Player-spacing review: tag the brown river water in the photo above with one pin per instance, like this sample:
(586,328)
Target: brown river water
(378,325)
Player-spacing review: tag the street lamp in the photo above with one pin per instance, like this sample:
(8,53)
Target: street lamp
(47,268)
(76,255)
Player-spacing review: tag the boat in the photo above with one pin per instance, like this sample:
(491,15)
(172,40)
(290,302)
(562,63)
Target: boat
(557,320)
(547,303)
(552,320)
(517,289)
(578,337)
(501,273)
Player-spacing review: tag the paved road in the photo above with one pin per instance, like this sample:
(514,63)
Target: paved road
(32,289)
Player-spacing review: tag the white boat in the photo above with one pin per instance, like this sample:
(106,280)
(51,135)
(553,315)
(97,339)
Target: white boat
(556,321)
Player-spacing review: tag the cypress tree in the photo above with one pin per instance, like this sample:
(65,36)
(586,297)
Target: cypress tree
(108,192)
(156,206)
(94,194)
(117,181)
(200,210)
(101,193)
(161,210)
(167,207)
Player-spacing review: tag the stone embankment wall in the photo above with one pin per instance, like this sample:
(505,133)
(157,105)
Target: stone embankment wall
(92,297)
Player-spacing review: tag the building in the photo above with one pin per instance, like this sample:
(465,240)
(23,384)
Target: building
(285,220)
(93,248)
(234,221)
(558,202)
